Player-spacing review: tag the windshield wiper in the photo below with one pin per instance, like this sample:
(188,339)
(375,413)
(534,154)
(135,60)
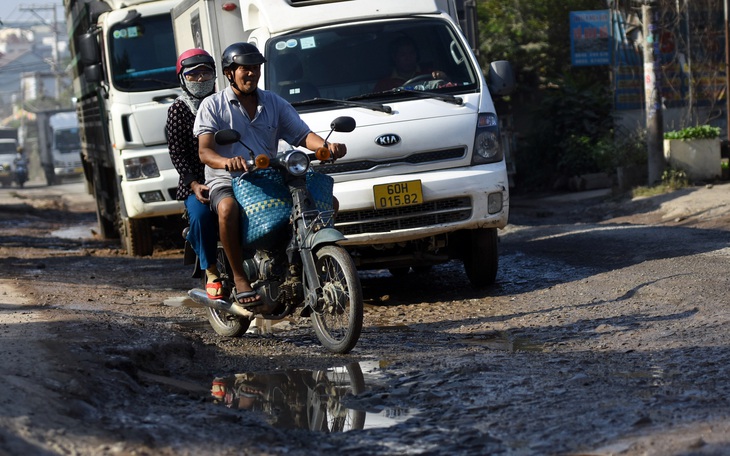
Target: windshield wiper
(131,81)
(360,104)
(419,93)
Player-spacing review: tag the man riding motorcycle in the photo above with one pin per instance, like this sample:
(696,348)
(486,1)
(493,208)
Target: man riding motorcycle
(262,118)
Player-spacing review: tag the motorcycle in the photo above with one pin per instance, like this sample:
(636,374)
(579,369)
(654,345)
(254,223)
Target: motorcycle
(296,262)
(21,173)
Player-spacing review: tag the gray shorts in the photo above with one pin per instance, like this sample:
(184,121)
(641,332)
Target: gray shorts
(218,194)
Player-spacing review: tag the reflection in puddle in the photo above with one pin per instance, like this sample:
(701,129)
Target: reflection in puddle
(303,399)
(296,399)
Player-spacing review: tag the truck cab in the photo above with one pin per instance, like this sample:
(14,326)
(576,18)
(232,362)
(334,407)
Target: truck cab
(424,180)
(65,145)
(8,150)
(125,79)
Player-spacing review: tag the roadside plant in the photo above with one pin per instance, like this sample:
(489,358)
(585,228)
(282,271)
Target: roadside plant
(698,132)
(674,179)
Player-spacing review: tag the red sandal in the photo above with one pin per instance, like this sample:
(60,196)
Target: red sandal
(216,286)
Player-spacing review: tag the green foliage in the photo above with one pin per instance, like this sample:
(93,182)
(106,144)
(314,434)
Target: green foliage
(571,133)
(571,125)
(533,35)
(674,179)
(699,132)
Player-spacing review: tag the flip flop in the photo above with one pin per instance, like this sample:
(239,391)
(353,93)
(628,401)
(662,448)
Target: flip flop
(247,294)
(216,285)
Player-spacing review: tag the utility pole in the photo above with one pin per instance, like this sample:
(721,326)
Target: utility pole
(652,94)
(727,70)
(54,28)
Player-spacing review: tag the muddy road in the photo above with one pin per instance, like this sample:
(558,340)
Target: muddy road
(606,333)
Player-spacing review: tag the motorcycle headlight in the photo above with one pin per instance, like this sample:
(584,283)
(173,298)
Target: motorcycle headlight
(296,163)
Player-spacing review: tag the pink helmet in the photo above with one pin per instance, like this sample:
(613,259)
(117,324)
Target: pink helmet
(192,58)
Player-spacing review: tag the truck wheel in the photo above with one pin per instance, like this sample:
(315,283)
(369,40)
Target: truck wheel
(137,237)
(107,229)
(481,258)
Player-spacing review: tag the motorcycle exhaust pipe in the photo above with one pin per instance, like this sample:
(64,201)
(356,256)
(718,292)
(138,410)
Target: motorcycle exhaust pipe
(201,297)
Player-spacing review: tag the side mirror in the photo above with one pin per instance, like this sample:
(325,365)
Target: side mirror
(225,137)
(501,80)
(92,73)
(89,52)
(96,9)
(343,124)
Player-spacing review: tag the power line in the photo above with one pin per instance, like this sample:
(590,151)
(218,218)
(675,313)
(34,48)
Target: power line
(20,16)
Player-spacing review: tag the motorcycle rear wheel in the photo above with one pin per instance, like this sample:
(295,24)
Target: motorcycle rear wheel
(338,320)
(224,323)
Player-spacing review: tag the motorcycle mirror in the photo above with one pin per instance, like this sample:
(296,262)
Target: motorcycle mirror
(343,124)
(225,137)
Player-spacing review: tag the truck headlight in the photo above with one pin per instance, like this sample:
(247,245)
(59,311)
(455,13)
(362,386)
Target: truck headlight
(487,145)
(141,168)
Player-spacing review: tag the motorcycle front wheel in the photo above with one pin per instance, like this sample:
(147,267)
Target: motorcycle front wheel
(224,323)
(337,319)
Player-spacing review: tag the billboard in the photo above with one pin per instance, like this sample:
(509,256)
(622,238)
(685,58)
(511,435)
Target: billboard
(589,38)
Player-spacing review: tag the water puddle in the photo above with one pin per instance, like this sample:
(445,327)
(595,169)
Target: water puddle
(502,341)
(304,399)
(75,232)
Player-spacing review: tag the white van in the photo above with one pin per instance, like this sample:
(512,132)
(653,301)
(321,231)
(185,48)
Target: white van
(424,180)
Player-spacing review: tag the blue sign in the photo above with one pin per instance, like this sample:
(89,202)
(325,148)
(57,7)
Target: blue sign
(589,38)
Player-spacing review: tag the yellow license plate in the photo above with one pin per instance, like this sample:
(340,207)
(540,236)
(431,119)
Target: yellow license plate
(398,194)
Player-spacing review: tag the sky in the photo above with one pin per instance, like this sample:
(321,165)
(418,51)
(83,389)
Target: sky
(10,11)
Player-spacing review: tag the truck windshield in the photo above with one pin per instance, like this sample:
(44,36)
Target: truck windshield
(143,54)
(370,61)
(8,147)
(67,141)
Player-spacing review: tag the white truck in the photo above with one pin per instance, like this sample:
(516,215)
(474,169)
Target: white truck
(424,180)
(59,145)
(8,149)
(124,78)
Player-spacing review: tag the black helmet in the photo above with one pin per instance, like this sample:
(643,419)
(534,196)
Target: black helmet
(241,54)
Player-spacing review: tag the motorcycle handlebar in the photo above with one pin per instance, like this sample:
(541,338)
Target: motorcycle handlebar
(341,124)
(263,161)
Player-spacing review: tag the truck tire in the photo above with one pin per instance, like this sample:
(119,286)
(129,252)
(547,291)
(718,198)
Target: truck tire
(107,229)
(481,258)
(137,236)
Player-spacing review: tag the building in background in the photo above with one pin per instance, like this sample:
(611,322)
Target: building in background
(29,53)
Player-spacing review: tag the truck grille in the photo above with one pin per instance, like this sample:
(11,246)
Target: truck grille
(415,159)
(384,220)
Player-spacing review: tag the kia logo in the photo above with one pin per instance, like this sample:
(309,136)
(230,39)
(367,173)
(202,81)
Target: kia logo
(387,140)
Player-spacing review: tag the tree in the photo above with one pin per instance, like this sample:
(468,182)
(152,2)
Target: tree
(565,111)
(532,34)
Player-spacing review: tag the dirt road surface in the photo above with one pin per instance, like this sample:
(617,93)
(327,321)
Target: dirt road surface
(606,333)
